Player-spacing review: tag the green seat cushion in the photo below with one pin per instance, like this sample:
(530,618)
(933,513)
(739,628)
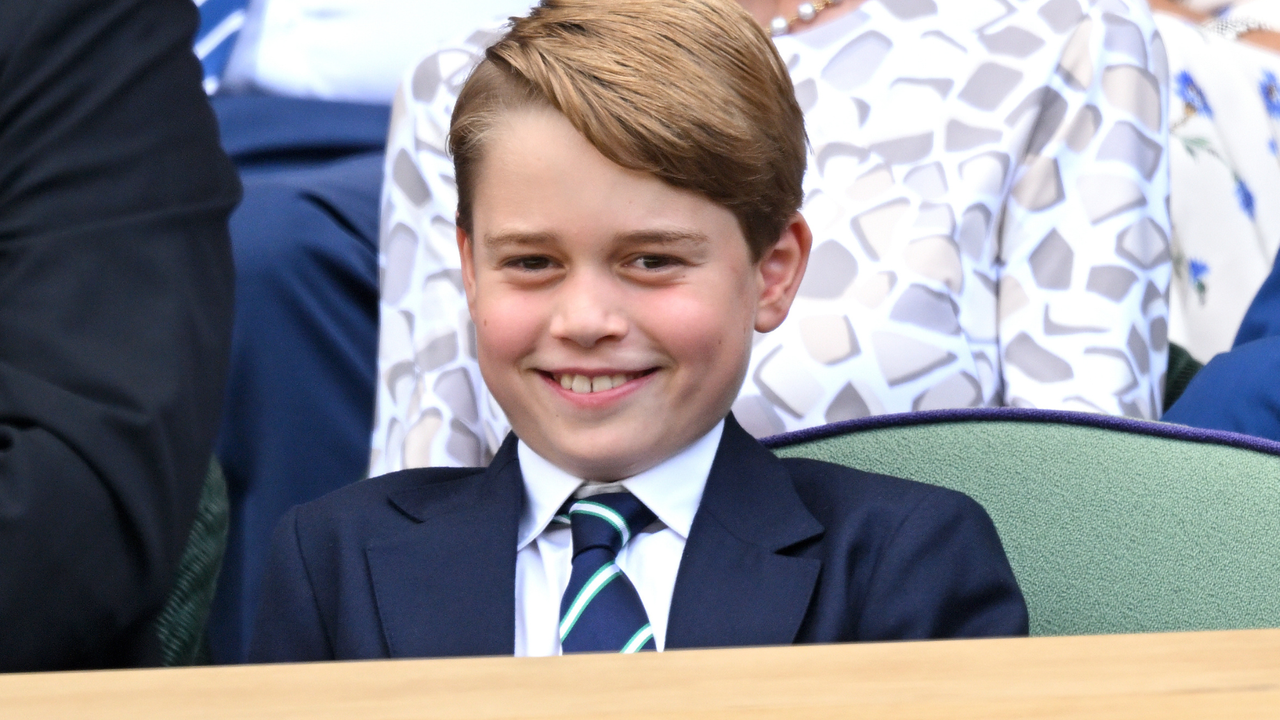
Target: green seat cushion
(1111,525)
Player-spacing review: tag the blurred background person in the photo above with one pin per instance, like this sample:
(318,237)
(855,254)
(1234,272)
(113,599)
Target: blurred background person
(1224,158)
(1225,168)
(115,322)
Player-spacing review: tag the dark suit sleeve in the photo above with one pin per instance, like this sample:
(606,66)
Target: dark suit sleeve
(288,627)
(115,313)
(943,574)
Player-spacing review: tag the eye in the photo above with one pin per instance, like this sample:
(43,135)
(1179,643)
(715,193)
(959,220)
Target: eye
(529,263)
(655,262)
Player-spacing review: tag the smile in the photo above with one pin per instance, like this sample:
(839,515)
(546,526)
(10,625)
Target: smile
(584,384)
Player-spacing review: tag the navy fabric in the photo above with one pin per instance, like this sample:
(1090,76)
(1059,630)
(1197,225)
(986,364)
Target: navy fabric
(115,323)
(611,613)
(1238,391)
(299,402)
(1263,317)
(421,563)
(263,132)
(220,23)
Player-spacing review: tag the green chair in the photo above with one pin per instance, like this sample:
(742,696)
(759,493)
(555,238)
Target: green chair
(1111,525)
(181,624)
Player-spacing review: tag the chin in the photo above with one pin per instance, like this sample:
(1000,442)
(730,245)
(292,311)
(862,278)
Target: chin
(605,467)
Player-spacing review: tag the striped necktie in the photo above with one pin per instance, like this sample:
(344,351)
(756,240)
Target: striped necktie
(220,23)
(600,610)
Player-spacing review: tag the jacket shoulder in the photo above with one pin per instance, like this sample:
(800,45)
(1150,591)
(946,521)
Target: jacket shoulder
(391,499)
(924,561)
(835,492)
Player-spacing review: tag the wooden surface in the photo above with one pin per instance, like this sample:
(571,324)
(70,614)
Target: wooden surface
(1180,675)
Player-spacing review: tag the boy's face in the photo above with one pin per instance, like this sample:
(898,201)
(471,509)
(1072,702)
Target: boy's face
(614,313)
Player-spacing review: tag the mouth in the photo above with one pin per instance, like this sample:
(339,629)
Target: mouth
(584,384)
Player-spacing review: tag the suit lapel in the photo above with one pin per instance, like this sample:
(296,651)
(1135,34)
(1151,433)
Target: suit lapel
(446,587)
(733,587)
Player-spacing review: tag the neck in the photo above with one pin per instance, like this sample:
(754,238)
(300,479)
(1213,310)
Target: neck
(764,11)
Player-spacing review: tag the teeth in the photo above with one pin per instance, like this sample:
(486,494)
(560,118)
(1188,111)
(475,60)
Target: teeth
(583,384)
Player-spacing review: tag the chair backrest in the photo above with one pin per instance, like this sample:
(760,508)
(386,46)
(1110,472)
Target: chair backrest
(181,624)
(1111,525)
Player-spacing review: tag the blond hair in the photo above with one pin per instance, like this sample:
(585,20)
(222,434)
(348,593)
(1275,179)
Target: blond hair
(692,92)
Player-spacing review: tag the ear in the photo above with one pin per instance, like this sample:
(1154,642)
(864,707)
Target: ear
(780,272)
(466,255)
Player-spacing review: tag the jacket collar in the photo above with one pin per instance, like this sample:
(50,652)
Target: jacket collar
(672,489)
(734,588)
(446,586)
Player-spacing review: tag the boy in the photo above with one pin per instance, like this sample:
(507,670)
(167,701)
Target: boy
(629,175)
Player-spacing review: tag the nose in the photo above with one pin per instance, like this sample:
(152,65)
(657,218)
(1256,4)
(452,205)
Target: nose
(588,309)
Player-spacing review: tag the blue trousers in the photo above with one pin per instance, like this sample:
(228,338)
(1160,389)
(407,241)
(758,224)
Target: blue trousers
(299,404)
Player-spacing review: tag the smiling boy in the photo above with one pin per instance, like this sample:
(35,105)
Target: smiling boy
(629,175)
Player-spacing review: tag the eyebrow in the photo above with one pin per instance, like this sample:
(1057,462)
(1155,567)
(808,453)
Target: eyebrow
(665,237)
(505,240)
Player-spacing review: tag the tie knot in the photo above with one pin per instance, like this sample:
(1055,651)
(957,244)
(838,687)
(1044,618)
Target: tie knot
(607,520)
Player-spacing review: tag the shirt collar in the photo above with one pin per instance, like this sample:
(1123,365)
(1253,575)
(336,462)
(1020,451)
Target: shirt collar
(672,489)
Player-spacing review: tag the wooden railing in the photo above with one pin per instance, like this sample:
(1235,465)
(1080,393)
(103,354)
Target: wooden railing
(1179,675)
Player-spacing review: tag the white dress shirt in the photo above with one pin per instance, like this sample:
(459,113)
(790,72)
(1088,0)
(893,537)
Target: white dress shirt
(544,556)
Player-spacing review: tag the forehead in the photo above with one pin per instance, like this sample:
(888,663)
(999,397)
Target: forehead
(540,178)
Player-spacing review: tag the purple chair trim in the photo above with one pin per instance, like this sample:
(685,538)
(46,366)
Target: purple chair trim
(1064,417)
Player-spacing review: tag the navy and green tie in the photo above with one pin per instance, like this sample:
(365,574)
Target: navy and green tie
(600,610)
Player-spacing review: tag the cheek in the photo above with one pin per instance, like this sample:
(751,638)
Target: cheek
(505,328)
(708,329)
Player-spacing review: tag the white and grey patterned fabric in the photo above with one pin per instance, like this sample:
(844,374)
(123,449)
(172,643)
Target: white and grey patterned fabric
(988,189)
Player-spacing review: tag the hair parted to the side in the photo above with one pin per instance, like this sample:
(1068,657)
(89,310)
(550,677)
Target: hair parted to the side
(692,92)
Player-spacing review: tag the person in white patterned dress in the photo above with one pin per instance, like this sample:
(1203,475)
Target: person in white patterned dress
(1224,163)
(988,189)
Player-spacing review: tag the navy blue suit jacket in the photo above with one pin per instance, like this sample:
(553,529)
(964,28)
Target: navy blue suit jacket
(422,562)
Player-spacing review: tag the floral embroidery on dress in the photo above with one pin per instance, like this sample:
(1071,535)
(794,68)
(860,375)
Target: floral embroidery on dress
(1194,145)
(1195,103)
(1192,96)
(1225,146)
(1244,197)
(1194,269)
(1270,94)
(1198,269)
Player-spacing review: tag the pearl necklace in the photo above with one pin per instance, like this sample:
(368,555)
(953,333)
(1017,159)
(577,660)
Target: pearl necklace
(805,12)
